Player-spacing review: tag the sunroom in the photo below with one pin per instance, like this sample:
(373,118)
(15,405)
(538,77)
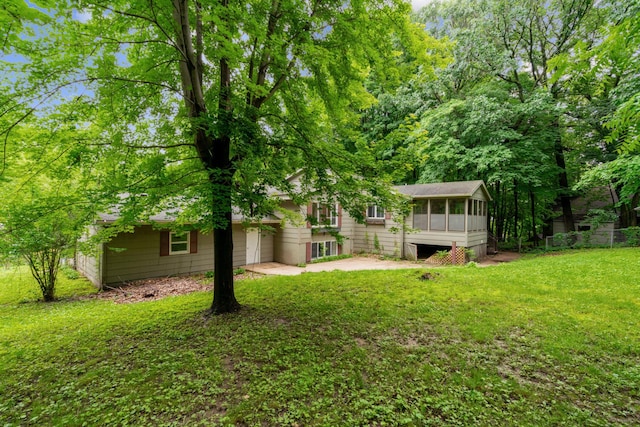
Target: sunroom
(445,215)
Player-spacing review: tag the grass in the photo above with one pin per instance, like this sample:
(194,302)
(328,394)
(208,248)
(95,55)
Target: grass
(17,286)
(549,340)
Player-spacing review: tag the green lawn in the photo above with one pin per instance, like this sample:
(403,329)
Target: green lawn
(550,340)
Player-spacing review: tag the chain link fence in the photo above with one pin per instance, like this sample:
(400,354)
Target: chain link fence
(595,238)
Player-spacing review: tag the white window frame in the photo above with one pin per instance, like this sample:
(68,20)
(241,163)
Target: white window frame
(332,215)
(331,244)
(378,212)
(172,236)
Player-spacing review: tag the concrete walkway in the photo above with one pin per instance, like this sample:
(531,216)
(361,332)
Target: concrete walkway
(347,264)
(362,263)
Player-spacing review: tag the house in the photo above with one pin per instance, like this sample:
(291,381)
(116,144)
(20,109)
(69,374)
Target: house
(151,252)
(441,214)
(595,199)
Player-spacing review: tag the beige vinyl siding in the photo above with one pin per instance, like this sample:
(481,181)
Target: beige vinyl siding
(239,246)
(479,195)
(390,242)
(266,246)
(478,242)
(348,232)
(289,244)
(89,264)
(141,257)
(288,247)
(437,238)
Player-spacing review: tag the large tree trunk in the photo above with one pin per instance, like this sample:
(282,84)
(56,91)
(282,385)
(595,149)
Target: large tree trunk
(534,232)
(563,183)
(221,176)
(515,208)
(224,298)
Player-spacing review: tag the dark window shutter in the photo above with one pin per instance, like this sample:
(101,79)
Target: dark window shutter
(309,213)
(308,251)
(339,216)
(193,239)
(164,243)
(339,249)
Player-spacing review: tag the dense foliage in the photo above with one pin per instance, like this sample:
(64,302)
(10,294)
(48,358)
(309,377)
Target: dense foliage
(533,97)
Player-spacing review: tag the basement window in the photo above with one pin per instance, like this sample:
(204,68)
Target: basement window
(323,249)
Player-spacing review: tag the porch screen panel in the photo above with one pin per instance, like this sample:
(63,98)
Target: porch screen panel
(483,216)
(438,214)
(421,214)
(471,218)
(456,214)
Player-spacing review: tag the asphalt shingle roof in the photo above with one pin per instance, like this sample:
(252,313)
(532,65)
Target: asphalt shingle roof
(441,189)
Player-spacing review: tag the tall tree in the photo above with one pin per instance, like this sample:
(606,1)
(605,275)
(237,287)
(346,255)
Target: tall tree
(602,86)
(217,101)
(45,207)
(515,43)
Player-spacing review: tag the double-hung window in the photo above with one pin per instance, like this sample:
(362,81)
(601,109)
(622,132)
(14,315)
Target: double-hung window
(179,243)
(375,212)
(324,215)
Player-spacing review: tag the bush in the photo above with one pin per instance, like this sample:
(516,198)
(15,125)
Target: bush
(70,273)
(633,235)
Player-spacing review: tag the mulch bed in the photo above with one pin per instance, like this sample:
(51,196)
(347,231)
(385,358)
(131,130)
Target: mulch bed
(157,288)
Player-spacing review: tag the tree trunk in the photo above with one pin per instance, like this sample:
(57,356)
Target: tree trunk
(220,176)
(534,232)
(515,209)
(502,236)
(563,181)
(224,298)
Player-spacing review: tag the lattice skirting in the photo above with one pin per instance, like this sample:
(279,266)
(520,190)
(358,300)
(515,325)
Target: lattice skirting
(460,258)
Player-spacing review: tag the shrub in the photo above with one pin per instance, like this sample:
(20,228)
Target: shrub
(70,273)
(633,235)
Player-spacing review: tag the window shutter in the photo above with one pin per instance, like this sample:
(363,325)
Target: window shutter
(308,251)
(193,239)
(164,242)
(339,249)
(309,213)
(339,216)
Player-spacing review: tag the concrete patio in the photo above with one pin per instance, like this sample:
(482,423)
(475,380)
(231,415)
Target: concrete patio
(363,263)
(347,264)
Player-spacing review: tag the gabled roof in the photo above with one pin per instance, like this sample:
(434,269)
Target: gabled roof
(443,189)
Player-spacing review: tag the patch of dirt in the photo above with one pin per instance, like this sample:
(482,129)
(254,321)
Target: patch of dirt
(428,276)
(500,258)
(158,288)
